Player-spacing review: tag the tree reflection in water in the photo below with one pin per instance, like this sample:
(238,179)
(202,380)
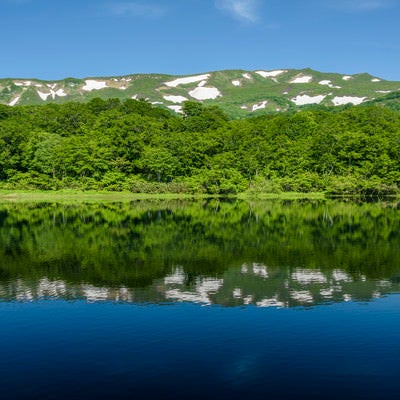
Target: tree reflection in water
(237,253)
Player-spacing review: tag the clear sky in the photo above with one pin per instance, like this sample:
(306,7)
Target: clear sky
(54,39)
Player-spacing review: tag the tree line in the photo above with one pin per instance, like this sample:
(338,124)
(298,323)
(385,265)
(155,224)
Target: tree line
(132,145)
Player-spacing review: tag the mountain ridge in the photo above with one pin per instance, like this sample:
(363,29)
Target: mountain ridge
(239,93)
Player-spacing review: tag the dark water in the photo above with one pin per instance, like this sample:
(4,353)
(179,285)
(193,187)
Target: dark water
(274,300)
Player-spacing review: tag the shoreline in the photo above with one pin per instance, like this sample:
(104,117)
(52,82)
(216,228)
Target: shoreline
(7,195)
(78,195)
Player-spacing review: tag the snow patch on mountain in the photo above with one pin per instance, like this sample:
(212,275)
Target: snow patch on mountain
(339,101)
(329,83)
(14,101)
(175,99)
(347,77)
(303,99)
(302,79)
(375,80)
(236,83)
(60,93)
(259,106)
(91,84)
(188,79)
(269,74)
(42,95)
(177,109)
(383,91)
(24,83)
(246,76)
(205,93)
(52,93)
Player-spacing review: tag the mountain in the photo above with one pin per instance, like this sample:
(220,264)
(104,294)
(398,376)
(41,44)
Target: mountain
(239,93)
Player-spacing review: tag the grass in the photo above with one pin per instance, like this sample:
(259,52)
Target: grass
(283,196)
(85,196)
(76,196)
(103,196)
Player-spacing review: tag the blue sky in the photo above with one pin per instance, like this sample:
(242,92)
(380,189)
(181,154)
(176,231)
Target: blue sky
(53,39)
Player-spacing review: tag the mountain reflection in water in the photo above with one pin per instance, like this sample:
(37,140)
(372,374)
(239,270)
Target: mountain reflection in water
(249,285)
(265,254)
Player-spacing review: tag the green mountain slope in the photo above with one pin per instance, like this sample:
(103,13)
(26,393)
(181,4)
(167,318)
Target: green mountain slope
(239,93)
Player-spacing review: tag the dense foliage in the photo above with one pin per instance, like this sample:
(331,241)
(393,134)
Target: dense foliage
(131,145)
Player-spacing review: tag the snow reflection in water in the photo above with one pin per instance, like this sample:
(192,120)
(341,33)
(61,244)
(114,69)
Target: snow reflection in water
(250,284)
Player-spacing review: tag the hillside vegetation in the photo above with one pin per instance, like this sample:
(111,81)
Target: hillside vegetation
(132,145)
(239,93)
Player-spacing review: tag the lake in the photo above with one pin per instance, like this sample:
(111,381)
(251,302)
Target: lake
(213,299)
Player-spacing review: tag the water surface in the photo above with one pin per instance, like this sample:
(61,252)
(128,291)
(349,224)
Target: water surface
(214,299)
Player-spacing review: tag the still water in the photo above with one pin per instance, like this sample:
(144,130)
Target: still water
(178,300)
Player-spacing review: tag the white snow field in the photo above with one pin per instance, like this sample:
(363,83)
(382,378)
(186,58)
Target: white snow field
(205,93)
(42,95)
(302,79)
(60,93)
(25,83)
(177,109)
(188,79)
(339,101)
(259,106)
(246,76)
(375,80)
(52,93)
(175,99)
(347,77)
(14,101)
(303,99)
(329,83)
(270,74)
(236,83)
(91,84)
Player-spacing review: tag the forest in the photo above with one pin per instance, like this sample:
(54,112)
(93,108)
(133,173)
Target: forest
(134,146)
